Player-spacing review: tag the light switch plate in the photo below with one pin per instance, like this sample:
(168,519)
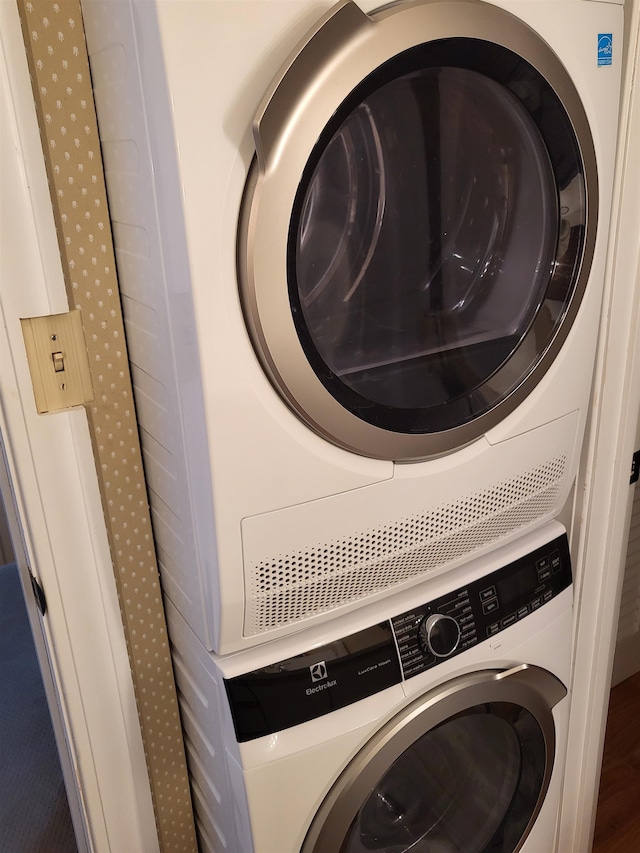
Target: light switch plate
(58,361)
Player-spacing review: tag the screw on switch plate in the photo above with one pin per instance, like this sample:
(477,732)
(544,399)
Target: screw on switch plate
(58,361)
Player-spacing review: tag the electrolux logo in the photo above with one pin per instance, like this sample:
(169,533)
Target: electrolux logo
(605,49)
(318,671)
(320,677)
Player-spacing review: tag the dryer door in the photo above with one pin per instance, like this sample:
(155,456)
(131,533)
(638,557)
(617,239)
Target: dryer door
(418,224)
(462,770)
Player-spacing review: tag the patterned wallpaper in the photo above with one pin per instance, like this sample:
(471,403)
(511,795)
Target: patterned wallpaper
(57,55)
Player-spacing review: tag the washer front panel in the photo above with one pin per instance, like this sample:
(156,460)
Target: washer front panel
(437,758)
(310,685)
(397,336)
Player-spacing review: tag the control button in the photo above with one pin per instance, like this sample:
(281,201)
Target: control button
(409,652)
(544,574)
(490,606)
(439,634)
(403,629)
(537,602)
(489,592)
(556,561)
(460,600)
(543,563)
(414,670)
(509,620)
(548,595)
(522,612)
(402,624)
(493,629)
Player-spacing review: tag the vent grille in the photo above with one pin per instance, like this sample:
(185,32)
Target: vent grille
(292,587)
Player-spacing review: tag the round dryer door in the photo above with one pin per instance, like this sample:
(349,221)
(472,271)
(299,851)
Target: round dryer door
(418,225)
(465,771)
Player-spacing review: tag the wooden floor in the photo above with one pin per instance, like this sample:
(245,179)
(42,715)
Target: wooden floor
(618,816)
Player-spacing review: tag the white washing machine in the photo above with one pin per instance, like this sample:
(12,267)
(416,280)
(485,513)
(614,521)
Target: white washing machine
(361,252)
(435,722)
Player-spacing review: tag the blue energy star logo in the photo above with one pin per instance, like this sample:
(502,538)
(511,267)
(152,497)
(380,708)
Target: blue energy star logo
(605,48)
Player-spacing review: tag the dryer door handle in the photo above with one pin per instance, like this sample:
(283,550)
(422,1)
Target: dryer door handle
(304,72)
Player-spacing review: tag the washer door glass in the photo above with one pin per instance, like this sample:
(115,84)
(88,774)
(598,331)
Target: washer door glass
(470,785)
(436,236)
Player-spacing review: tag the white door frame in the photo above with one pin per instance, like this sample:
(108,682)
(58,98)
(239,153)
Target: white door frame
(607,495)
(51,469)
(40,642)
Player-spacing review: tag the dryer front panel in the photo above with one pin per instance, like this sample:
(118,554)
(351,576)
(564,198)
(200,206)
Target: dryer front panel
(418,225)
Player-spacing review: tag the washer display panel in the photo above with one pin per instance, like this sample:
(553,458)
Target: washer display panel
(418,226)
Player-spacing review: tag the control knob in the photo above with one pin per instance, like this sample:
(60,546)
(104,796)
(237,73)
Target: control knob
(439,635)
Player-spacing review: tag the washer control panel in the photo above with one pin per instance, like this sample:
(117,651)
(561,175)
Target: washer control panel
(327,677)
(448,625)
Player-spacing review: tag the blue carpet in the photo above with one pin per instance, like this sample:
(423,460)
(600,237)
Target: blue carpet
(34,811)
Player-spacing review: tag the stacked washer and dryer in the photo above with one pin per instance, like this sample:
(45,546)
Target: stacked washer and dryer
(361,251)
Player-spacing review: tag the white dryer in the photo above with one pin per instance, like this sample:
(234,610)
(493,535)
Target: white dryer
(437,724)
(361,252)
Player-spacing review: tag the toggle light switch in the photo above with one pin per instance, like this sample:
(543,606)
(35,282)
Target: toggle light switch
(58,361)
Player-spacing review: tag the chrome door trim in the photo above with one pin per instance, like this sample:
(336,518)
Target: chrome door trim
(345,47)
(532,688)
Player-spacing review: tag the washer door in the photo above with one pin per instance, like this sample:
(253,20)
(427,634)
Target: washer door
(462,770)
(418,224)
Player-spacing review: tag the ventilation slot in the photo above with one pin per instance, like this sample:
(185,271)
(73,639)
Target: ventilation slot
(292,587)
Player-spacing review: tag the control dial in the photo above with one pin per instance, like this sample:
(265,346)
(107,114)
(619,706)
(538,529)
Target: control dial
(439,635)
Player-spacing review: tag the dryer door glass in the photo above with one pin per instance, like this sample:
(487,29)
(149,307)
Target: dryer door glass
(470,785)
(436,236)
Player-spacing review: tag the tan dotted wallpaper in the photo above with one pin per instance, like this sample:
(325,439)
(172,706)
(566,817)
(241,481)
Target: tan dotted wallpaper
(57,55)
